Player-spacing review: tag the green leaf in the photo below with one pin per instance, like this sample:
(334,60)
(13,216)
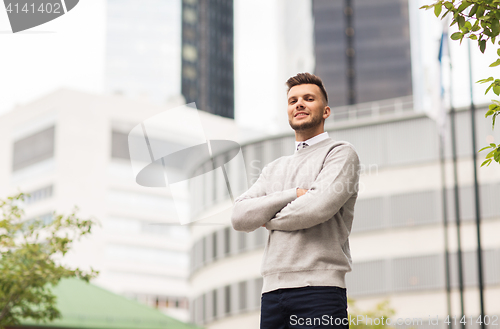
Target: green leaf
(496,90)
(490,155)
(482,45)
(456,36)
(480,11)
(461,21)
(475,27)
(497,156)
(437,9)
(488,89)
(485,80)
(486,162)
(493,145)
(484,148)
(495,63)
(448,5)
(464,5)
(473,10)
(495,28)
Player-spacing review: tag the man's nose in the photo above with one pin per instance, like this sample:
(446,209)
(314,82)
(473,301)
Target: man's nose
(299,104)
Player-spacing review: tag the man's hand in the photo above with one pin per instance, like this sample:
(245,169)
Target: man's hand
(300,192)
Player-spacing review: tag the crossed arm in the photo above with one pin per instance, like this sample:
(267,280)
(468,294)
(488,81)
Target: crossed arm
(254,208)
(286,211)
(300,192)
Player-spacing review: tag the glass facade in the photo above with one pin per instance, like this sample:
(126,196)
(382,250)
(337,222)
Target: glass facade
(207,55)
(362,49)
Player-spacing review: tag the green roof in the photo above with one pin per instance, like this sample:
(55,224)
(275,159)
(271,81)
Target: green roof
(84,305)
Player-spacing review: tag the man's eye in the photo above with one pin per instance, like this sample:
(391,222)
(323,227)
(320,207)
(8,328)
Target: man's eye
(311,99)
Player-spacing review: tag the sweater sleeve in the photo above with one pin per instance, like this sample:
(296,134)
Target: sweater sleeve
(334,185)
(254,207)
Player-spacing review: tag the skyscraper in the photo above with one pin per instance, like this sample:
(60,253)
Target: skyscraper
(207,55)
(362,49)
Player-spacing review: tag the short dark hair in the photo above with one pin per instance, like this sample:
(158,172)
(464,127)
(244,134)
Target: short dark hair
(306,78)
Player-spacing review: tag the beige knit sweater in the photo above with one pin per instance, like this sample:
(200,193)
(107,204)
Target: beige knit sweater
(308,242)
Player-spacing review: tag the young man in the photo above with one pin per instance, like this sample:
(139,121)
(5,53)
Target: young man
(306,201)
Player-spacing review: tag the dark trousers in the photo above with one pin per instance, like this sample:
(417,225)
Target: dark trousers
(304,307)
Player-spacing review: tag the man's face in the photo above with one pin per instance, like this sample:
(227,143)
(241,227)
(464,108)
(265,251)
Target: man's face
(306,107)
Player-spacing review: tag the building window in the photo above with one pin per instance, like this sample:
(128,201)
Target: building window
(214,300)
(33,149)
(46,219)
(242,241)
(39,195)
(119,145)
(242,295)
(189,72)
(227,241)
(214,245)
(227,297)
(190,16)
(204,307)
(259,282)
(189,53)
(204,250)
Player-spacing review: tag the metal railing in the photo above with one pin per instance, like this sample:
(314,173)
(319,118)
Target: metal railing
(371,109)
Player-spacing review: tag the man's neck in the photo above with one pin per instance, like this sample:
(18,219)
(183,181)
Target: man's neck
(301,136)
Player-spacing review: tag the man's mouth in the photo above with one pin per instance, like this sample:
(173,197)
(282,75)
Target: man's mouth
(301,114)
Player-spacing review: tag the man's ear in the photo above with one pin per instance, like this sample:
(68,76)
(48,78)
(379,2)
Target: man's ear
(326,112)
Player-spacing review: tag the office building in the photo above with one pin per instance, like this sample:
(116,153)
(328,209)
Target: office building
(208,56)
(362,49)
(397,239)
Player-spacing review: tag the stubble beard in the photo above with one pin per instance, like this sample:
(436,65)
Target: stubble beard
(312,123)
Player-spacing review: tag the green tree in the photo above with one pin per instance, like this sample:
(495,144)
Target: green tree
(29,254)
(382,311)
(478,20)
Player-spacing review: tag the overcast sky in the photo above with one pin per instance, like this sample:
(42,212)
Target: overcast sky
(68,51)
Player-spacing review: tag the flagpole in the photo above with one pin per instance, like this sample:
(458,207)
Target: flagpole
(442,163)
(445,224)
(476,192)
(456,196)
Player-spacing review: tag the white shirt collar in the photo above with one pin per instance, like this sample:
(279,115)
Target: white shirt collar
(313,140)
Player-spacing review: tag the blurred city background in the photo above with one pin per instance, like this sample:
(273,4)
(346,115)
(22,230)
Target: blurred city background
(74,88)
